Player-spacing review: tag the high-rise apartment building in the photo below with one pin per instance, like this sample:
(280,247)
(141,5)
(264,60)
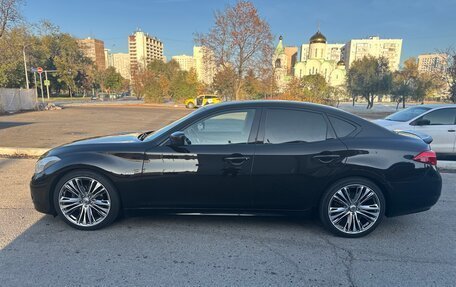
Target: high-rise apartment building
(204,64)
(94,50)
(390,49)
(142,49)
(430,63)
(185,62)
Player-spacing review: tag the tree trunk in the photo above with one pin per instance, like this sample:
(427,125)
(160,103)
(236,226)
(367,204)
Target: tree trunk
(403,102)
(353,100)
(397,104)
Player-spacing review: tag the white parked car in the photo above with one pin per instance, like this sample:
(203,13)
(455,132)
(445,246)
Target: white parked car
(438,121)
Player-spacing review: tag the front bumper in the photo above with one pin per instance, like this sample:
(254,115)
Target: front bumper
(40,189)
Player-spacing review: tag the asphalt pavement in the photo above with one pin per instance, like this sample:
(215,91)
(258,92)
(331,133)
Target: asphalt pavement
(40,250)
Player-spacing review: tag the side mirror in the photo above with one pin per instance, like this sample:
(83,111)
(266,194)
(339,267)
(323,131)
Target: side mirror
(177,139)
(422,122)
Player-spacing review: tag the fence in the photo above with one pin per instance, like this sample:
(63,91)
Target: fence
(13,100)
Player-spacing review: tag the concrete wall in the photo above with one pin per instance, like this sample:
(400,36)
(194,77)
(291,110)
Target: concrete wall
(13,100)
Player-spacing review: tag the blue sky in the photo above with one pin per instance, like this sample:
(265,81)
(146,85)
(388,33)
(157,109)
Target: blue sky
(425,26)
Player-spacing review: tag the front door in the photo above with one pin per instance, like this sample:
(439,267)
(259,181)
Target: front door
(441,127)
(297,156)
(211,171)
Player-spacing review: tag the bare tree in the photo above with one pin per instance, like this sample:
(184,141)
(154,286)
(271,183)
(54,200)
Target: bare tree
(239,40)
(9,14)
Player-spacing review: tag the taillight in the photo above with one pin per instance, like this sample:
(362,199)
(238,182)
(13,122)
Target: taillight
(428,157)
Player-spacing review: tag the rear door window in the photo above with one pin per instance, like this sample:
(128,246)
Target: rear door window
(341,127)
(294,126)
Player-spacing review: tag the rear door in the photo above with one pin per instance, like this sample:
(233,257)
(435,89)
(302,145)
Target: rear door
(296,153)
(442,127)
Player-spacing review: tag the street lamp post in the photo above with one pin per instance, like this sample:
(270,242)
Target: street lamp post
(25,67)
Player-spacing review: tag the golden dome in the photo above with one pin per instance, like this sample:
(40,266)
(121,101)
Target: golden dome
(318,38)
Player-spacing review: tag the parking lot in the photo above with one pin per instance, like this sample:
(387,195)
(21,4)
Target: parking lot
(47,129)
(412,250)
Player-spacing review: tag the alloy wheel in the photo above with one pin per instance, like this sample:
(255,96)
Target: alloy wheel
(84,201)
(354,208)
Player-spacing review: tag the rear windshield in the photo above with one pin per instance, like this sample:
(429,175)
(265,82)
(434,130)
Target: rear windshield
(407,114)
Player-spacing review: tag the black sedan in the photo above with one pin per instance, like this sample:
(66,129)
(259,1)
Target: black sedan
(244,158)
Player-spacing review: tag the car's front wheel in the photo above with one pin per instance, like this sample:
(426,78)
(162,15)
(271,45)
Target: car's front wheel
(86,200)
(352,207)
(190,105)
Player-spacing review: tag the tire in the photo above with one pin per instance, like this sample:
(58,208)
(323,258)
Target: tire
(190,105)
(82,209)
(366,213)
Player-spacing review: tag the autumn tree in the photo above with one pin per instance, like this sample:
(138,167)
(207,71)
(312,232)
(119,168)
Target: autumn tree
(240,40)
(9,14)
(369,77)
(311,88)
(224,83)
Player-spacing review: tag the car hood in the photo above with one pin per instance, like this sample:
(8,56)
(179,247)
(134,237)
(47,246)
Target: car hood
(120,138)
(102,143)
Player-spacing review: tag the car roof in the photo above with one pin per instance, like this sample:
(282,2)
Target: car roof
(435,106)
(281,104)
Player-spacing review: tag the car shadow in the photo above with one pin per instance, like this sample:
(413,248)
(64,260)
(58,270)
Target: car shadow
(5,125)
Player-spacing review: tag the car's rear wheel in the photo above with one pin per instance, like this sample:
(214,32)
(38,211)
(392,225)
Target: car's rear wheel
(352,207)
(190,105)
(86,200)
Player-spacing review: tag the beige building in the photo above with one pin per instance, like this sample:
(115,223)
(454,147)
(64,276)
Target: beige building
(333,52)
(204,64)
(142,49)
(185,62)
(121,62)
(318,62)
(94,50)
(430,63)
(390,49)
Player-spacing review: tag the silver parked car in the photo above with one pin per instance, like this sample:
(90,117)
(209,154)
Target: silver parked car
(438,121)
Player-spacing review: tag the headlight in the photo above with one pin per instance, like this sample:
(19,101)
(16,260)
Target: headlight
(44,163)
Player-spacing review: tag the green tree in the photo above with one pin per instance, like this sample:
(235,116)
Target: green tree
(112,80)
(369,77)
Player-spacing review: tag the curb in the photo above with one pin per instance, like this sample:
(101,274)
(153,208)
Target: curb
(21,152)
(446,165)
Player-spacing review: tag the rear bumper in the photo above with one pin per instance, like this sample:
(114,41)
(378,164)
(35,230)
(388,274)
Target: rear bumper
(414,196)
(40,187)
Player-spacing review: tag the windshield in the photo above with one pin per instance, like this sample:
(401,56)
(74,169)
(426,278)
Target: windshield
(407,114)
(169,127)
